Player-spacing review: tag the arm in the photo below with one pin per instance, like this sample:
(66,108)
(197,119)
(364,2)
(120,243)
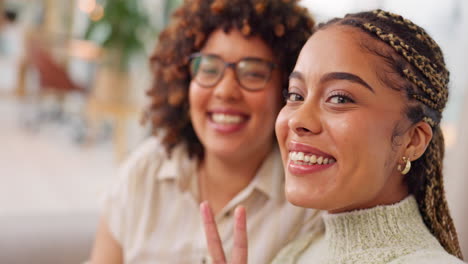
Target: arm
(106,249)
(240,248)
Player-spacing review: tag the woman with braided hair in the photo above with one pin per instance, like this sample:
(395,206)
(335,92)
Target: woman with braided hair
(360,138)
(219,70)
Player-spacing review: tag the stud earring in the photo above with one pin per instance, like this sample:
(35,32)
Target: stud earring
(407,166)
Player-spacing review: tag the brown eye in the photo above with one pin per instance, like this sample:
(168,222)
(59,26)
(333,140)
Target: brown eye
(293,97)
(340,99)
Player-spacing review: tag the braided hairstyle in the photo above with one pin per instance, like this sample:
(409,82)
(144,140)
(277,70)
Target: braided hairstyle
(283,25)
(417,61)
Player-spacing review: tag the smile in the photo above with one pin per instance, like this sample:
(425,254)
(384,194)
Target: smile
(302,158)
(228,119)
(305,159)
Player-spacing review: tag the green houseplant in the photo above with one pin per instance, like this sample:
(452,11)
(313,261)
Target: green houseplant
(122,30)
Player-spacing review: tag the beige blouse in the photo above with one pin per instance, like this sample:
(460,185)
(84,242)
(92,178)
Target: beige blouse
(153,210)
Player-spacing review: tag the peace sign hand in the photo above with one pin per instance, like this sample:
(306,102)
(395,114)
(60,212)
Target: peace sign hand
(215,246)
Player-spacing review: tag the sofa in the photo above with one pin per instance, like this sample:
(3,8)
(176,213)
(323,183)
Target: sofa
(47,238)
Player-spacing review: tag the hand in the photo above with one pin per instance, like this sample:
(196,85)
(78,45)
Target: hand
(215,246)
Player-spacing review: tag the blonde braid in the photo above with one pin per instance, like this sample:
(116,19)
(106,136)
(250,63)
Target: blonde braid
(431,195)
(420,33)
(432,201)
(439,92)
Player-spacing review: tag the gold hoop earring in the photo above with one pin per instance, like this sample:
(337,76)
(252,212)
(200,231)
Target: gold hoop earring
(407,166)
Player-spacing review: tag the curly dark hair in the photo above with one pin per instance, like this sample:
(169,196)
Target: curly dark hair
(282,24)
(418,64)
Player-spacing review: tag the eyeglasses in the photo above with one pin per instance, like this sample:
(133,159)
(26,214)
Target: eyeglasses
(251,73)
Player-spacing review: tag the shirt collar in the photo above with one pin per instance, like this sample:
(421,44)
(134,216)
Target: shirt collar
(178,166)
(269,179)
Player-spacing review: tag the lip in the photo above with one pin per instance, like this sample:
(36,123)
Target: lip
(307,149)
(227,111)
(227,128)
(303,170)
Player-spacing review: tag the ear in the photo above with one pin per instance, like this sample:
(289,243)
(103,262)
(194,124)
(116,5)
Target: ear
(420,136)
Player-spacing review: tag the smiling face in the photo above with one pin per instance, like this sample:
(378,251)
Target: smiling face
(232,122)
(336,130)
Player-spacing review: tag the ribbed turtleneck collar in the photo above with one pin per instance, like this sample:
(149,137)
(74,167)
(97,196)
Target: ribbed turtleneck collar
(381,227)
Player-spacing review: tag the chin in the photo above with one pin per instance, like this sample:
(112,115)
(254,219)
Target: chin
(320,201)
(225,153)
(301,199)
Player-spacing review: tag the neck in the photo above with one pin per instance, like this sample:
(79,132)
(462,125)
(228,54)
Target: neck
(222,178)
(394,191)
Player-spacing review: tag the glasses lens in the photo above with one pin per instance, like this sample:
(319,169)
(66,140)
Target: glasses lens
(253,74)
(206,70)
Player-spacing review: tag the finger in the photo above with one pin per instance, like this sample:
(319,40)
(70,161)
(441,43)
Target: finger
(240,249)
(215,246)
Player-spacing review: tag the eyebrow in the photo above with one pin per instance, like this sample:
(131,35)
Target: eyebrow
(335,76)
(347,77)
(296,75)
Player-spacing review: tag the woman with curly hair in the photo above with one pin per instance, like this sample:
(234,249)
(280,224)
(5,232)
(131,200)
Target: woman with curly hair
(360,138)
(219,71)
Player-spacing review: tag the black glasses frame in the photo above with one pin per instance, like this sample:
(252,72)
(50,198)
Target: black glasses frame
(232,65)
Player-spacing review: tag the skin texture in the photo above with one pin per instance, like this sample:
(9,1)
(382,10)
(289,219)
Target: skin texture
(353,121)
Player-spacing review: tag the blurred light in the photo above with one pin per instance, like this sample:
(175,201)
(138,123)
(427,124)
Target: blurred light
(97,13)
(87,6)
(450,134)
(84,50)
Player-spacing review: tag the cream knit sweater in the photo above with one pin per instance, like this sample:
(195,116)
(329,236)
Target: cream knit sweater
(393,234)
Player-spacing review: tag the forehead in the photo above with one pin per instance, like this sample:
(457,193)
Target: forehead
(338,49)
(233,46)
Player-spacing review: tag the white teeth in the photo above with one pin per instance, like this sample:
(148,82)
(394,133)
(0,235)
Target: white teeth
(319,160)
(302,158)
(313,159)
(226,119)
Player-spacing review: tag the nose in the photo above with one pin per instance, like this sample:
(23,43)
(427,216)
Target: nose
(305,120)
(228,88)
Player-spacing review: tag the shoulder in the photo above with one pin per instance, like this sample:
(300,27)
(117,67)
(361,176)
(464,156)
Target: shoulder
(131,198)
(428,256)
(150,159)
(148,163)
(149,151)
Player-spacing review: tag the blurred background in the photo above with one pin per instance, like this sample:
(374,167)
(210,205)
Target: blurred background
(73,75)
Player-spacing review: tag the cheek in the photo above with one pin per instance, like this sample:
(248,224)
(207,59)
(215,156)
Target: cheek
(266,104)
(363,143)
(358,134)
(192,95)
(198,96)
(271,100)
(281,128)
(198,101)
